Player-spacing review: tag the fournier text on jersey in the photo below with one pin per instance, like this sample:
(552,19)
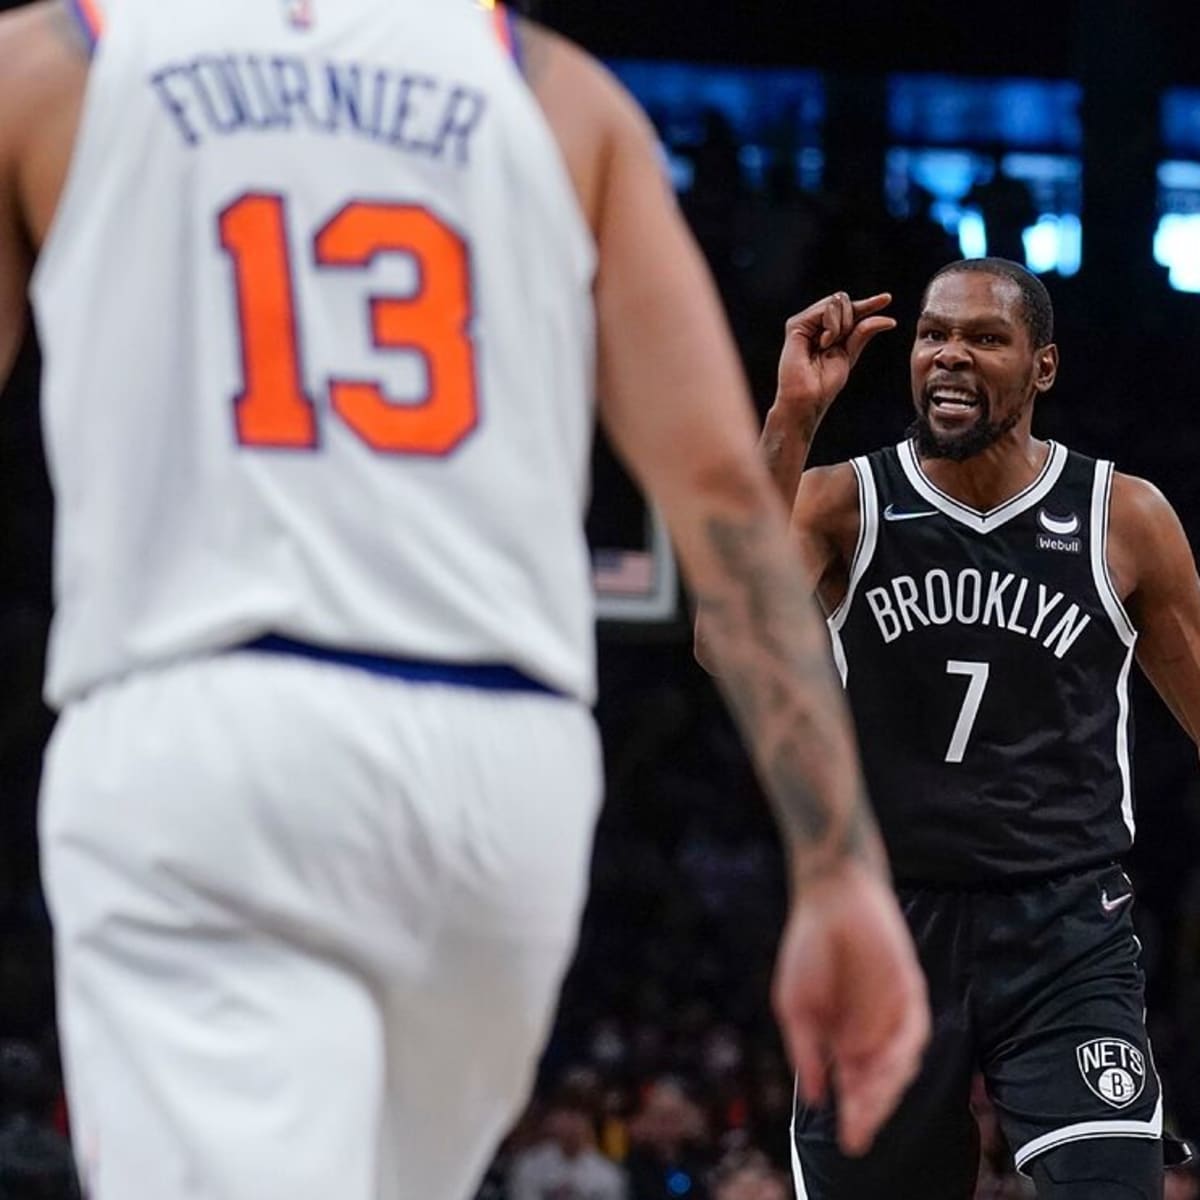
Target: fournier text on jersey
(222,95)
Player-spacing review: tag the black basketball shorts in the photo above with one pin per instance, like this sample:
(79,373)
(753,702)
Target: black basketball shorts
(1038,987)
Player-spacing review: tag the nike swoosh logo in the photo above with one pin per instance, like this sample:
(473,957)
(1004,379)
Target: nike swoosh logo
(1115,903)
(890,514)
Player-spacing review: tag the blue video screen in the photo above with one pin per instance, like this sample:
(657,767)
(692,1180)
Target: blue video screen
(997,162)
(1177,238)
(974,152)
(774,115)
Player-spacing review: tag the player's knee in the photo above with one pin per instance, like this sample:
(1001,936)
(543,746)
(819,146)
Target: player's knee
(1100,1169)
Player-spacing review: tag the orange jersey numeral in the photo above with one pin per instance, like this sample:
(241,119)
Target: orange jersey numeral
(436,322)
(272,410)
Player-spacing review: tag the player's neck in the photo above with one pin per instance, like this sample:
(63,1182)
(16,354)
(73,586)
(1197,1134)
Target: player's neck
(986,480)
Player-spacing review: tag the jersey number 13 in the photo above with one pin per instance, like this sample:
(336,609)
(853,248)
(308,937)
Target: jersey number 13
(273,410)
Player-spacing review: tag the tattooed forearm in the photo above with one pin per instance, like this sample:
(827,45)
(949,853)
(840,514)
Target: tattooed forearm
(765,584)
(773,661)
(787,776)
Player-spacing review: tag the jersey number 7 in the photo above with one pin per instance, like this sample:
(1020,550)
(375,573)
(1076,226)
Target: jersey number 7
(977,673)
(273,410)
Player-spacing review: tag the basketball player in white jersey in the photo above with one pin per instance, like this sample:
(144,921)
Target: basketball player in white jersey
(323,291)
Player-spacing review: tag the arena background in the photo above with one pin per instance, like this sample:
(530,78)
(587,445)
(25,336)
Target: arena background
(813,149)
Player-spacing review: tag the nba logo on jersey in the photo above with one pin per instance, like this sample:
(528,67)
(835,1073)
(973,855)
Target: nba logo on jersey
(299,13)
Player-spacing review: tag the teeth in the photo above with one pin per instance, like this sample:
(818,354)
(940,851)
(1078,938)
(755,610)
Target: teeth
(948,397)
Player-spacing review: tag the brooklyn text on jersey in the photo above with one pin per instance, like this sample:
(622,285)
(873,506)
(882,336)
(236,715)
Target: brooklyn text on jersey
(906,603)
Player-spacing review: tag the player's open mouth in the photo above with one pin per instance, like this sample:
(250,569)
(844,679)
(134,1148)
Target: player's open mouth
(952,400)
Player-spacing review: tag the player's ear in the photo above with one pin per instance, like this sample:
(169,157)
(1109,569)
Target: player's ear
(1045,367)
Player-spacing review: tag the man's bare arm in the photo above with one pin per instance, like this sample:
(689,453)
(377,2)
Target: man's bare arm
(824,527)
(16,257)
(676,406)
(1148,545)
(15,265)
(848,993)
(825,522)
(43,69)
(820,348)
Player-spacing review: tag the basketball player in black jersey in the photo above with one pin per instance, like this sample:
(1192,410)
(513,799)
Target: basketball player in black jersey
(986,594)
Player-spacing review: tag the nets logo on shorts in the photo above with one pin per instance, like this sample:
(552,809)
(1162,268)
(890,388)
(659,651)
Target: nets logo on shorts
(1113,1069)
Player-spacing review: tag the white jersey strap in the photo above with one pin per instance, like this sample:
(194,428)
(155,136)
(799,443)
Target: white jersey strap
(89,16)
(504,22)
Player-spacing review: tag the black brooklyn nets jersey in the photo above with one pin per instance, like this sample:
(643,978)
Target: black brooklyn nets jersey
(987,659)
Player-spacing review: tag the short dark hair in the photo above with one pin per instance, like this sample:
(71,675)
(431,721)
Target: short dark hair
(1037,309)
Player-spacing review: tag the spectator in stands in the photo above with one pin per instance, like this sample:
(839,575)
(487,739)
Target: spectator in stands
(771,1109)
(748,1176)
(1007,207)
(566,1165)
(669,1158)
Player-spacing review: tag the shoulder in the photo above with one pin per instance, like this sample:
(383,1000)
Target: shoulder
(17,28)
(827,497)
(20,34)
(596,122)
(42,54)
(825,524)
(573,80)
(1146,540)
(1137,508)
(36,40)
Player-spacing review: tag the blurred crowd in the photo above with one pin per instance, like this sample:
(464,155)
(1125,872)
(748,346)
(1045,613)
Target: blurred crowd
(664,1055)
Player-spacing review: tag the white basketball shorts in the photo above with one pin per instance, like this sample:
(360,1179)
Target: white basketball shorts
(310,925)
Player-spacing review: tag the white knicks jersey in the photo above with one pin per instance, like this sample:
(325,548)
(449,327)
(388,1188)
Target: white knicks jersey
(319,345)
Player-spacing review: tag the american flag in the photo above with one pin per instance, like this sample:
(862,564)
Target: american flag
(623,572)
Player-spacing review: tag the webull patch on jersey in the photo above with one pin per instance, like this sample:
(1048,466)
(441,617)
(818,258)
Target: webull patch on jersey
(1064,545)
(1113,1069)
(1060,532)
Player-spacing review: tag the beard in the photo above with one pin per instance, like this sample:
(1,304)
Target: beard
(959,447)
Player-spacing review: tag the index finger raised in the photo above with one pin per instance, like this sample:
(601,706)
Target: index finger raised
(870,304)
